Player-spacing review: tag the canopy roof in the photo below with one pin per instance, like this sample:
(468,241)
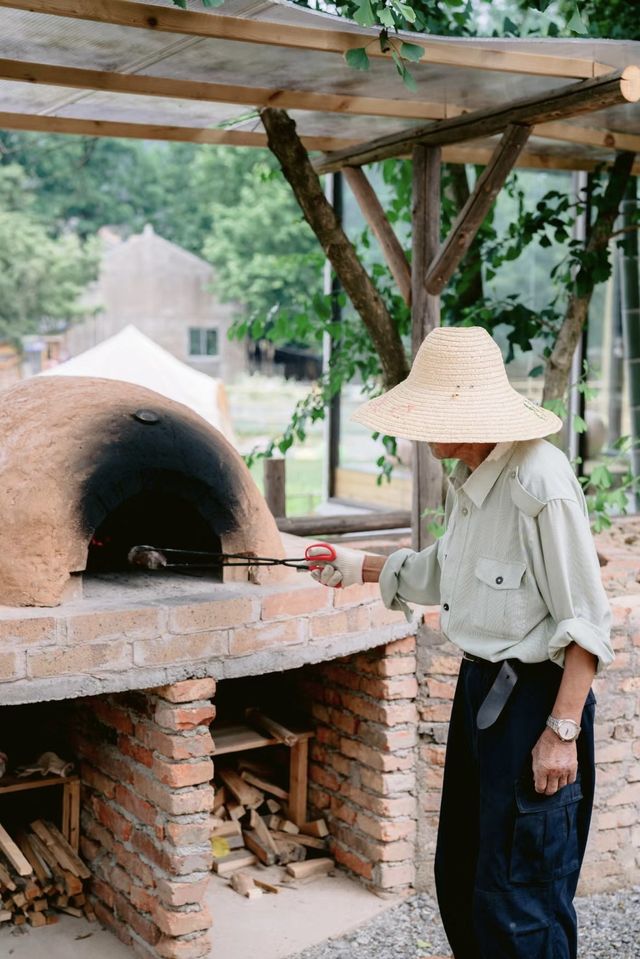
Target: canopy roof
(131,356)
(122,68)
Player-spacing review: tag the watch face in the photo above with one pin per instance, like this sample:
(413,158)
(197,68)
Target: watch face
(566,729)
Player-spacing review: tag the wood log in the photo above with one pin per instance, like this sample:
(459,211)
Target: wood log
(64,853)
(244,885)
(472,215)
(266,886)
(310,841)
(569,100)
(37,918)
(5,915)
(274,471)
(271,727)
(6,880)
(273,806)
(375,216)
(285,144)
(287,826)
(227,829)
(261,831)
(242,792)
(349,523)
(289,850)
(265,786)
(312,868)
(253,842)
(317,827)
(9,849)
(235,860)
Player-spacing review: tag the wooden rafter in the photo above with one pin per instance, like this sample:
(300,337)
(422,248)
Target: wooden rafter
(155,86)
(147,131)
(375,216)
(621,86)
(128,13)
(476,208)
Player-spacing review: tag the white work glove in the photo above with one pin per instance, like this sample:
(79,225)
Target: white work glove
(344,570)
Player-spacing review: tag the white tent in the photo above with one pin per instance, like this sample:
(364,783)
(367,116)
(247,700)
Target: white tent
(133,357)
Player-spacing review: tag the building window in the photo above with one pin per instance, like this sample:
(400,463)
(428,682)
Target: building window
(203,342)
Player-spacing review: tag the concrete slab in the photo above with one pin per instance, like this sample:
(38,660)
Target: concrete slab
(68,939)
(276,926)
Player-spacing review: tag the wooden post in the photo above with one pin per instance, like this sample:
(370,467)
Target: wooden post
(275,486)
(298,771)
(425,316)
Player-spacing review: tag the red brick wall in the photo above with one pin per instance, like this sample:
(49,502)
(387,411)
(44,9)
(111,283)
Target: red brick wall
(362,771)
(146,771)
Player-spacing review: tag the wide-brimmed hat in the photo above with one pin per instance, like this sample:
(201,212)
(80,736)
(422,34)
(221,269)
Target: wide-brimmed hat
(457,392)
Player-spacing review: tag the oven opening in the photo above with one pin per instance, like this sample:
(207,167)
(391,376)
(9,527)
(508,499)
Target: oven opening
(153,518)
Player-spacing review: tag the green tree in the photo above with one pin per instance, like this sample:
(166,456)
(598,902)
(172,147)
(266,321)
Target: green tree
(41,277)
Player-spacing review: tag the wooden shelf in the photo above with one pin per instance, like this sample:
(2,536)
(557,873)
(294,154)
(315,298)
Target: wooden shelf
(236,737)
(70,826)
(13,784)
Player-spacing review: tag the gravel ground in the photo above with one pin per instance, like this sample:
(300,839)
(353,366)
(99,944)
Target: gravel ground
(609,929)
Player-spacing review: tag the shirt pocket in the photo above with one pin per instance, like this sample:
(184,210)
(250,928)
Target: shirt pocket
(501,598)
(545,842)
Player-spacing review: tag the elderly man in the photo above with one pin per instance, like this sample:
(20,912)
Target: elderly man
(517,579)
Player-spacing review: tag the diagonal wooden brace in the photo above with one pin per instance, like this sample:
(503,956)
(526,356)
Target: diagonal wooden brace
(470,218)
(375,216)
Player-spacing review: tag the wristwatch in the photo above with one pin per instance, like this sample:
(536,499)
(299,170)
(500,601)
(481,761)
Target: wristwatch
(566,729)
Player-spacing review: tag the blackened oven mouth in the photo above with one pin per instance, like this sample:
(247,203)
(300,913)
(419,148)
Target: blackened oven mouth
(152,518)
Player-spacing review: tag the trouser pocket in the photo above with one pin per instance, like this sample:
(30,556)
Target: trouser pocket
(545,842)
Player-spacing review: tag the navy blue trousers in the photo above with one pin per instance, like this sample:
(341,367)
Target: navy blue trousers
(508,859)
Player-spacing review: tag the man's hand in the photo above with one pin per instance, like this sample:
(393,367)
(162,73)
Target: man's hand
(344,570)
(555,764)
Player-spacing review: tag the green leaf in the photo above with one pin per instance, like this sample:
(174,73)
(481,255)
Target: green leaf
(409,81)
(407,12)
(364,15)
(386,17)
(411,51)
(579,424)
(357,58)
(212,3)
(601,476)
(536,371)
(180,3)
(577,25)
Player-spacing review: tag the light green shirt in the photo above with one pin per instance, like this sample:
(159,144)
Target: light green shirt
(516,572)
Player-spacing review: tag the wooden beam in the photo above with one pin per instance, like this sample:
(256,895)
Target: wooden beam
(154,86)
(349,523)
(589,136)
(619,87)
(146,131)
(426,473)
(143,16)
(471,216)
(381,228)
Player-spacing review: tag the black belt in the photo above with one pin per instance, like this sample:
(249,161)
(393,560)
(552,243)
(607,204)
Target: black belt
(498,696)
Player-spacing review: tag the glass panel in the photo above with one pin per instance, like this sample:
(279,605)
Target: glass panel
(195,341)
(212,343)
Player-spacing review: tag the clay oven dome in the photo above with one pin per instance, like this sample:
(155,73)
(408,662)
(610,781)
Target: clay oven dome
(91,466)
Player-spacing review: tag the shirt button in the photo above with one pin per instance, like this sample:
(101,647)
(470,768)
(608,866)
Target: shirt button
(499,580)
(446,607)
(513,474)
(464,510)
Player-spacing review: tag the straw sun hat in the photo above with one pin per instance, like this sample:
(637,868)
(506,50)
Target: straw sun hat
(457,392)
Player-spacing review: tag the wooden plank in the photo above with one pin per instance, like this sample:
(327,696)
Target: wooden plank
(9,849)
(349,523)
(74,816)
(24,71)
(245,794)
(262,833)
(151,131)
(311,867)
(317,828)
(6,880)
(14,785)
(79,867)
(235,860)
(472,215)
(60,848)
(616,88)
(425,316)
(254,843)
(269,726)
(298,772)
(375,216)
(275,483)
(309,841)
(167,20)
(265,786)
(66,810)
(588,136)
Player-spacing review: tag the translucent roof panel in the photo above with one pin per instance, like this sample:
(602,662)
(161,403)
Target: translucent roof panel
(76,62)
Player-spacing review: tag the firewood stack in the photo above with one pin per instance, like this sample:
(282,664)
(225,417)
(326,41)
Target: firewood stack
(250,827)
(40,875)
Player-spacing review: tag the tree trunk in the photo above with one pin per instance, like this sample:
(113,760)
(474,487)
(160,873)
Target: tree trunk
(294,161)
(558,366)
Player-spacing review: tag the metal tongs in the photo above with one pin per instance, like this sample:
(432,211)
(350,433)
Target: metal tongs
(162,557)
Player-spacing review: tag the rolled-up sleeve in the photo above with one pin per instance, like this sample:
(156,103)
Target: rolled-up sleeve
(570,582)
(409,577)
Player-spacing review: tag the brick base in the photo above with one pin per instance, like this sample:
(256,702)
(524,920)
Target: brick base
(146,772)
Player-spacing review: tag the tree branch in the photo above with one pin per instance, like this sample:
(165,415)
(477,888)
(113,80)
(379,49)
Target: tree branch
(558,366)
(294,161)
